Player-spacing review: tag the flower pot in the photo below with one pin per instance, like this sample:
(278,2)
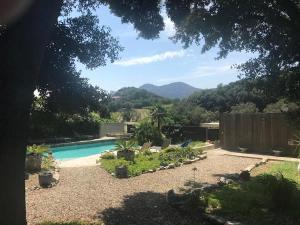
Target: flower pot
(33,162)
(127,155)
(121,171)
(45,178)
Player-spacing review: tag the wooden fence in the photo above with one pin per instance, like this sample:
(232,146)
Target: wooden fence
(258,131)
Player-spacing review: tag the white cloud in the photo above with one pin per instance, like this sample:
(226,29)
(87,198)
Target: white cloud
(169,25)
(201,71)
(150,59)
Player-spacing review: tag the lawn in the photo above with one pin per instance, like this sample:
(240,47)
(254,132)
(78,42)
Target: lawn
(270,198)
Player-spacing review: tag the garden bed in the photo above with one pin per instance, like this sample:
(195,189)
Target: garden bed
(271,197)
(147,161)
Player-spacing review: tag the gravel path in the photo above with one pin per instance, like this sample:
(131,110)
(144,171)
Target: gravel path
(91,194)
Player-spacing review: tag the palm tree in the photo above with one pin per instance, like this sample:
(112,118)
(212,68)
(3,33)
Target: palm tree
(158,115)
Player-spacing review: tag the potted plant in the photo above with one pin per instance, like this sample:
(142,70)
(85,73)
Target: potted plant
(45,178)
(121,170)
(34,157)
(125,149)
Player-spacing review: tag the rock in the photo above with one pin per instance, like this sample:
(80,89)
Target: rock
(249,168)
(161,167)
(214,219)
(197,158)
(233,223)
(222,181)
(203,156)
(244,175)
(150,171)
(113,174)
(187,161)
(171,166)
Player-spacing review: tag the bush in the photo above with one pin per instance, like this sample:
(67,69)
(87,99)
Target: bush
(37,149)
(282,192)
(146,132)
(178,155)
(108,155)
(248,107)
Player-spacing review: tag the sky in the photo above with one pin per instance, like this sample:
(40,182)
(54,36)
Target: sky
(159,61)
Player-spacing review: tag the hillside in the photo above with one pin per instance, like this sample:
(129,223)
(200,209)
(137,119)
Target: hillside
(174,90)
(131,97)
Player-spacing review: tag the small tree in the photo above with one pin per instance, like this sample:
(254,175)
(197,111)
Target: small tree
(158,115)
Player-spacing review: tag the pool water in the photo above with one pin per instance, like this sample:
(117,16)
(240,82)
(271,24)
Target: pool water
(82,150)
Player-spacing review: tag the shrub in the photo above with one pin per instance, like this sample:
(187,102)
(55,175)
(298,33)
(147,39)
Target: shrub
(282,192)
(37,149)
(146,132)
(108,155)
(248,107)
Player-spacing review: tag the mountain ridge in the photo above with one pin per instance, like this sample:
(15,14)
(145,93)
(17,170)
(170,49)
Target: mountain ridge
(176,90)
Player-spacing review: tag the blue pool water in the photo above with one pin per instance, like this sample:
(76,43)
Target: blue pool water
(83,150)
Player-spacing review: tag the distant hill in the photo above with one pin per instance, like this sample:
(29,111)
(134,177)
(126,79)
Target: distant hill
(131,97)
(174,90)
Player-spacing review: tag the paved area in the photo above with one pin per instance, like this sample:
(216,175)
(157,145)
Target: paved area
(255,156)
(91,194)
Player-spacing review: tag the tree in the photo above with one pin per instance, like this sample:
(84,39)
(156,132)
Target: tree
(248,107)
(158,114)
(31,45)
(269,28)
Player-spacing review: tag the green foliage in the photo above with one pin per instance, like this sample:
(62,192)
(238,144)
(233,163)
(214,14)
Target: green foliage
(187,113)
(196,144)
(48,163)
(48,124)
(147,160)
(37,149)
(178,155)
(158,114)
(141,164)
(146,132)
(247,107)
(267,198)
(130,97)
(281,106)
(108,155)
(124,145)
(287,169)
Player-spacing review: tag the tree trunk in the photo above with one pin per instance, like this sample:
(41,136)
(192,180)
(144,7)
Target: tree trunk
(22,47)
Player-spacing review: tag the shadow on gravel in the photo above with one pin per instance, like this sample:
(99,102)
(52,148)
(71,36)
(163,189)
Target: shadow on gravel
(147,208)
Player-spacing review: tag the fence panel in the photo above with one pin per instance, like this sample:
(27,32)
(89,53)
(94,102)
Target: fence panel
(257,131)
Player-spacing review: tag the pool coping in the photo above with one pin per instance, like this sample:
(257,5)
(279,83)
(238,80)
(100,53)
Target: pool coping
(104,139)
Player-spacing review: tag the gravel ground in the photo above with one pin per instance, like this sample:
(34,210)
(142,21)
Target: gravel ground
(91,194)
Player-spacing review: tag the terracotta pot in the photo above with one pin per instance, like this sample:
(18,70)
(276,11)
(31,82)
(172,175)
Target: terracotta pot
(45,178)
(33,162)
(127,155)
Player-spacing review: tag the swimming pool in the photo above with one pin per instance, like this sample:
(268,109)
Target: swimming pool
(81,150)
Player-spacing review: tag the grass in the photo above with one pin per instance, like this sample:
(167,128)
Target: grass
(150,161)
(265,199)
(287,169)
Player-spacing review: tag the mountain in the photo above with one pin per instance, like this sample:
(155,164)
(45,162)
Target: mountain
(174,90)
(131,97)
